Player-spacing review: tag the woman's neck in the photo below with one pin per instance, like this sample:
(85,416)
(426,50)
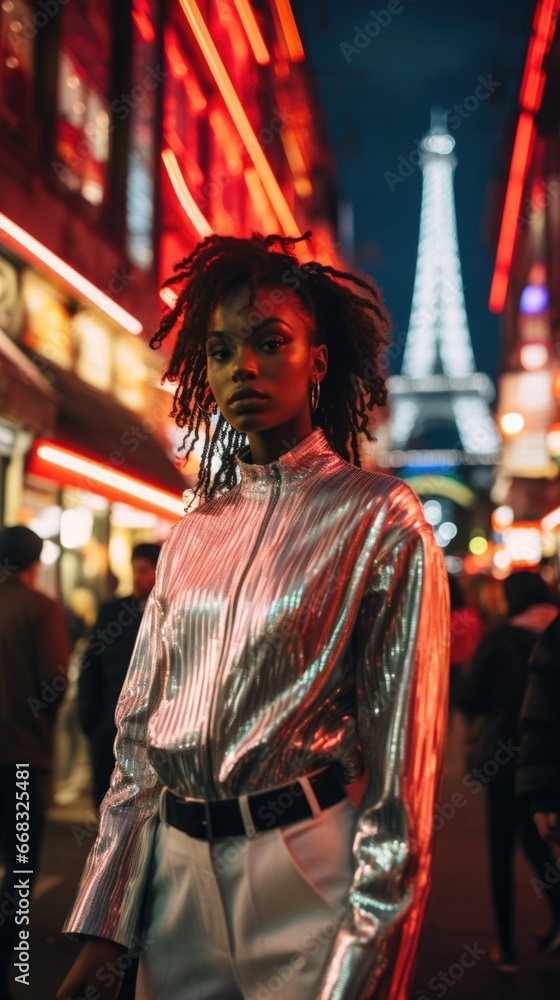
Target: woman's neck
(268,446)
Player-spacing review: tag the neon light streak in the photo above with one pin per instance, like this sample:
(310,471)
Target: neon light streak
(289,27)
(174,55)
(142,20)
(530,97)
(237,112)
(258,198)
(295,158)
(253,32)
(551,520)
(195,95)
(99,473)
(188,204)
(523,145)
(71,277)
(168,296)
(533,77)
(144,26)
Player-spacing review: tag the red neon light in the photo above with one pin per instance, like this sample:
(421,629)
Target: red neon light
(533,77)
(253,32)
(189,205)
(289,27)
(195,94)
(530,97)
(174,55)
(34,250)
(522,149)
(239,116)
(72,469)
(144,26)
(141,18)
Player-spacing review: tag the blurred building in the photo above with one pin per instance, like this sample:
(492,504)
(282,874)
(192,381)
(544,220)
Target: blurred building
(131,130)
(526,291)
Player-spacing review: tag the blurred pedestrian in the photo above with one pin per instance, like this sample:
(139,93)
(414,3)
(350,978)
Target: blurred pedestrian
(296,637)
(34,652)
(466,632)
(72,771)
(538,770)
(105,663)
(492,693)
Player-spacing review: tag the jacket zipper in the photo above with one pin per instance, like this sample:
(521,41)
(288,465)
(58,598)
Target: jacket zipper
(231,618)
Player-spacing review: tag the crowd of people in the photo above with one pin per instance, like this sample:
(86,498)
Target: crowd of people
(505,679)
(61,673)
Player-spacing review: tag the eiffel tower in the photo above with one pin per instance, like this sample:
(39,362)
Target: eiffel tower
(439,394)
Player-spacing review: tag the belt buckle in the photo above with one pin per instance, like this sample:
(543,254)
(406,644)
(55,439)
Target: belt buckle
(208,821)
(244,804)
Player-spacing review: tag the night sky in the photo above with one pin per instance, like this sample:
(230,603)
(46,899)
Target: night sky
(377,104)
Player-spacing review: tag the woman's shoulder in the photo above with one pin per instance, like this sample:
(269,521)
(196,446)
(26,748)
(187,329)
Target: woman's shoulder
(373,482)
(386,493)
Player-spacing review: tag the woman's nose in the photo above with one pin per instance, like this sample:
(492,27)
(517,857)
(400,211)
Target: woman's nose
(244,362)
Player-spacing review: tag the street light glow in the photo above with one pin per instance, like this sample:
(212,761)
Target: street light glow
(512,423)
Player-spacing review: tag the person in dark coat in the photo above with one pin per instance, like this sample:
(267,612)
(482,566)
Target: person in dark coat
(538,769)
(491,692)
(466,632)
(34,651)
(105,663)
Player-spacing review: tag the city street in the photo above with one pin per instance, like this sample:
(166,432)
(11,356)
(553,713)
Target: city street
(279,375)
(458,922)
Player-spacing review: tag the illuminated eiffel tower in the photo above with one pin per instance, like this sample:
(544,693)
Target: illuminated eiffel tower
(438,391)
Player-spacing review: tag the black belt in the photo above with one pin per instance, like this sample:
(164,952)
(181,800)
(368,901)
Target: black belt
(267,810)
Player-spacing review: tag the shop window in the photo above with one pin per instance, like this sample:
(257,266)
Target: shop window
(83,127)
(17,33)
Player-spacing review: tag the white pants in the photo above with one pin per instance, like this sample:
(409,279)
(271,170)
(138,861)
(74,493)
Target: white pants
(246,919)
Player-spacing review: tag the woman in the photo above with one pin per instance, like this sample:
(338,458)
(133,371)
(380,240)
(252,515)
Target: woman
(296,636)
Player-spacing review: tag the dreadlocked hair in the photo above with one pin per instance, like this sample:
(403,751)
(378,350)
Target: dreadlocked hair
(351,320)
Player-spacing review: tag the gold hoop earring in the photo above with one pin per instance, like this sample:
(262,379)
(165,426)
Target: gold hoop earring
(315,393)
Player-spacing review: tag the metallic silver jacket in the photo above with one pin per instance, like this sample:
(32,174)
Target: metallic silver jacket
(298,619)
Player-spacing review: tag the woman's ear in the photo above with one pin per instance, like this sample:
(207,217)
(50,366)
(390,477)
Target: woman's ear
(320,361)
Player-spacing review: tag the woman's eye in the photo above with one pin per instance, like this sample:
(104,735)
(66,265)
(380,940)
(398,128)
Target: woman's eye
(219,353)
(273,343)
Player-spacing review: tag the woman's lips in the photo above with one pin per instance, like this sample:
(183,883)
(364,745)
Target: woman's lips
(247,403)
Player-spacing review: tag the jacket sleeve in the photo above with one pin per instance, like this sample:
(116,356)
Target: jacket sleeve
(402,655)
(109,896)
(538,769)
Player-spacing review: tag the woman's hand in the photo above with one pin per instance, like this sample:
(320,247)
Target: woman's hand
(94,966)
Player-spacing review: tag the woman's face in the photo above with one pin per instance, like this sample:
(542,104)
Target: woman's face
(262,352)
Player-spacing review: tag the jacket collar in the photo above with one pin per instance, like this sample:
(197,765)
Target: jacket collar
(309,454)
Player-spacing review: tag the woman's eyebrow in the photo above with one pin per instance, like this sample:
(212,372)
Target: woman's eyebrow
(257,327)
